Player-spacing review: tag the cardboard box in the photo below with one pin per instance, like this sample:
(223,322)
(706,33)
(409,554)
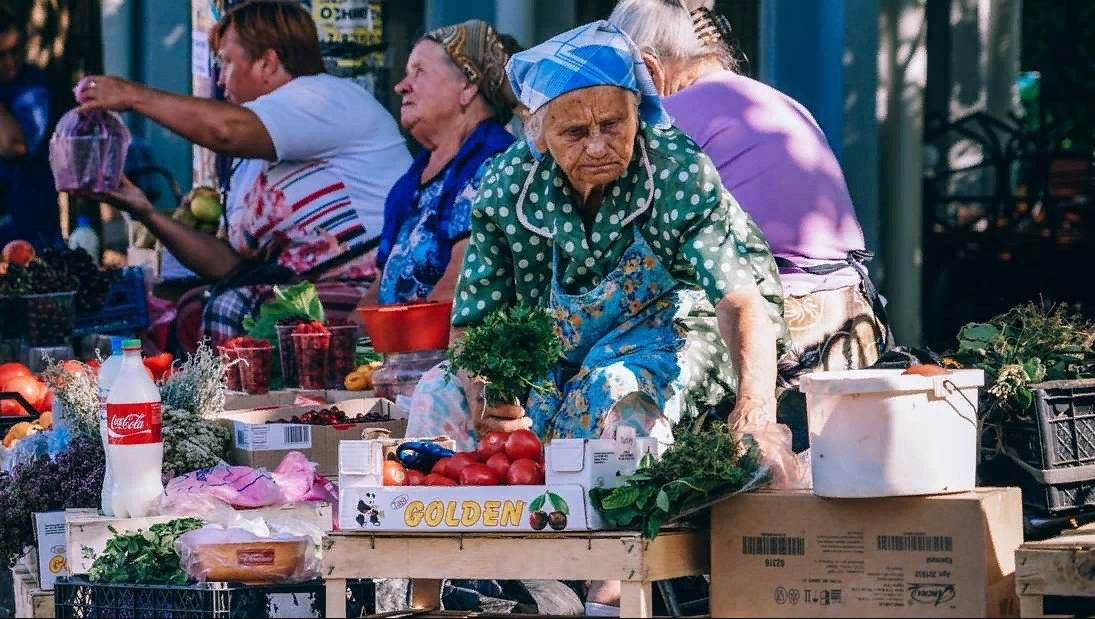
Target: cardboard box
(88,531)
(793,554)
(49,535)
(236,401)
(256,443)
(572,467)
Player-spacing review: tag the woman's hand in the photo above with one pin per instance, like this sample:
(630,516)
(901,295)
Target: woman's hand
(127,197)
(108,93)
(492,418)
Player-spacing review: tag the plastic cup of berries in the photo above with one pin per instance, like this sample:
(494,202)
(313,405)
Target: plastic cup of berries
(255,367)
(51,318)
(285,353)
(342,354)
(311,346)
(230,359)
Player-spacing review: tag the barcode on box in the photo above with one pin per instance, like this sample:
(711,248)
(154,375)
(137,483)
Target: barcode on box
(916,543)
(834,596)
(773,545)
(295,435)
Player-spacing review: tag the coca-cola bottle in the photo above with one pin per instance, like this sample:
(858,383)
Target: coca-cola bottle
(134,436)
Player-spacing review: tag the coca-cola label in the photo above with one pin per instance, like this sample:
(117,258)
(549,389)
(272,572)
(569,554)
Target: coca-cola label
(263,556)
(134,424)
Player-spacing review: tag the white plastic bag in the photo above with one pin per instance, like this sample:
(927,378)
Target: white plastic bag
(215,553)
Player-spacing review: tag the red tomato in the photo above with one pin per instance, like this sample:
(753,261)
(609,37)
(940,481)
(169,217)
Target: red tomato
(499,463)
(394,473)
(525,472)
(478,475)
(11,408)
(458,462)
(433,479)
(492,443)
(47,401)
(159,364)
(414,478)
(31,388)
(440,465)
(94,365)
(11,370)
(523,444)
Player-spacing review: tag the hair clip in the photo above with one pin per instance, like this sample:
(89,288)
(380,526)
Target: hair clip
(710,27)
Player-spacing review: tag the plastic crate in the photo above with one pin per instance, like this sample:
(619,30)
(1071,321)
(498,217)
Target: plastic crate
(78,597)
(125,308)
(1060,431)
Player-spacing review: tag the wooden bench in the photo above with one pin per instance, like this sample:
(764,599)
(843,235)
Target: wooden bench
(427,558)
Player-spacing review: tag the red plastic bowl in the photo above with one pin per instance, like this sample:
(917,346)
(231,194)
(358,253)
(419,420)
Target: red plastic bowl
(409,327)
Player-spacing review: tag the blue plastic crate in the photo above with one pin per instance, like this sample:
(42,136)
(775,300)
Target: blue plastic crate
(125,308)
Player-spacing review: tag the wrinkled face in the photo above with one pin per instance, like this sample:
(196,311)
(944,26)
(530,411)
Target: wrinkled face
(431,90)
(241,77)
(11,54)
(591,134)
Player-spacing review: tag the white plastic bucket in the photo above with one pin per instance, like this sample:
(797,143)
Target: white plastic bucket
(876,433)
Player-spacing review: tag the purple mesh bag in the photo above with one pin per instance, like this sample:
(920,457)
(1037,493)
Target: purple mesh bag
(87,151)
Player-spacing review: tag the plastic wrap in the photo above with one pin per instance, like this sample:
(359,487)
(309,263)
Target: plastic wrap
(207,491)
(88,150)
(238,554)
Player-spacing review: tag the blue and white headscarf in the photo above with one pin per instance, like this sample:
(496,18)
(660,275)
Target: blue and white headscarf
(596,54)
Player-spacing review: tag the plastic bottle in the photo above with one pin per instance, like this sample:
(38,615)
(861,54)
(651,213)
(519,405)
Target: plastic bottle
(135,437)
(107,374)
(84,237)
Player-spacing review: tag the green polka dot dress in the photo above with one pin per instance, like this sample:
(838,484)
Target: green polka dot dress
(526,208)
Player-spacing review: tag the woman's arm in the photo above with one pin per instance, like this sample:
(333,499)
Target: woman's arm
(223,127)
(750,337)
(445,288)
(206,255)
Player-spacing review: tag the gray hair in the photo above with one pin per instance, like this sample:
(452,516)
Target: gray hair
(665,29)
(532,125)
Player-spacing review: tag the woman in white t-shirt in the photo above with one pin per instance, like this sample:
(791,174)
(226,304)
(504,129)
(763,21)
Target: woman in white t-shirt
(283,115)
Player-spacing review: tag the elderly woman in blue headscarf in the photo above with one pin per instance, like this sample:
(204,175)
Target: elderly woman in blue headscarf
(665,293)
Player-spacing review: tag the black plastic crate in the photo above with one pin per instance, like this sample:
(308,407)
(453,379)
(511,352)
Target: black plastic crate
(1060,431)
(78,597)
(124,310)
(1050,496)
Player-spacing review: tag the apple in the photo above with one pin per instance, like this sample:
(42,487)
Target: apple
(205,204)
(19,252)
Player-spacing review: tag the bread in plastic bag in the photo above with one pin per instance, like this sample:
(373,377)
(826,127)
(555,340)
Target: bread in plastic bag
(88,150)
(237,554)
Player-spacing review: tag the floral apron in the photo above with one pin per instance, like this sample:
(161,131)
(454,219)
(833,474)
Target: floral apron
(623,345)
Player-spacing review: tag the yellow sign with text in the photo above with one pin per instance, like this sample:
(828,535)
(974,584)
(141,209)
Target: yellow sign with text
(348,21)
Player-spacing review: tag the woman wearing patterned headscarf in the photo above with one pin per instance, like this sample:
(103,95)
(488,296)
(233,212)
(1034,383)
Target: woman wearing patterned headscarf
(455,101)
(665,293)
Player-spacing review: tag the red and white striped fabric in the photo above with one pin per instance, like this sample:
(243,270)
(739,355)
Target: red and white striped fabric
(302,213)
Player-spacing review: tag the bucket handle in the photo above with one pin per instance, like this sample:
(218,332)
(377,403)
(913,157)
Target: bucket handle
(943,387)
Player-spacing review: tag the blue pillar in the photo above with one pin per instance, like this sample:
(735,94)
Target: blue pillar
(445,12)
(801,49)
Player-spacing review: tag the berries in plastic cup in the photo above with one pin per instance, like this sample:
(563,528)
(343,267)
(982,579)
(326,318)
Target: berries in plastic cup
(286,356)
(230,358)
(342,355)
(51,318)
(256,364)
(311,350)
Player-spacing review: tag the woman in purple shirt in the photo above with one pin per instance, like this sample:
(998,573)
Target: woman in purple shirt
(775,160)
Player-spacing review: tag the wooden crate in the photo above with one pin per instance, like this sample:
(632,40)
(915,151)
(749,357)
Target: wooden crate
(427,558)
(1061,567)
(88,531)
(30,601)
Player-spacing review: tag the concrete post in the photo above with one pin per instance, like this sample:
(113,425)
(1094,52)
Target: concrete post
(902,78)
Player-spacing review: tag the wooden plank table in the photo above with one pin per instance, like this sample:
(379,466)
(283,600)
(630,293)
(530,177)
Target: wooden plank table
(427,558)
(1063,566)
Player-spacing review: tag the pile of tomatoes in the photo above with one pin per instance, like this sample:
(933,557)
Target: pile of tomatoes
(511,459)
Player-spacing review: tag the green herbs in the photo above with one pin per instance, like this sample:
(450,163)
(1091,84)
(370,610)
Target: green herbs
(144,557)
(700,466)
(1028,344)
(191,442)
(297,301)
(78,393)
(197,386)
(513,350)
